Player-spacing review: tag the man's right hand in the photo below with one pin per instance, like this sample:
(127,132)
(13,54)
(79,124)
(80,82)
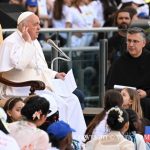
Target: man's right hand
(25,34)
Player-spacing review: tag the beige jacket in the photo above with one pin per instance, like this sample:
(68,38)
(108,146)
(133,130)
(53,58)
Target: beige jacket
(108,142)
(26,133)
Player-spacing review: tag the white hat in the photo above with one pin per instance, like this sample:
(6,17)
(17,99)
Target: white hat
(24,15)
(134,1)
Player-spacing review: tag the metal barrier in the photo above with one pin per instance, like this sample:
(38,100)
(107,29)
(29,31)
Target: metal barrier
(101,48)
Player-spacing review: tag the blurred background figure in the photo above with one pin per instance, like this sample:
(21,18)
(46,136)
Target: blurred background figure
(140,5)
(17,2)
(61,18)
(32,5)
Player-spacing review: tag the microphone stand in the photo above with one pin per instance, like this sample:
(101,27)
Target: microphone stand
(57,58)
(55,50)
(54,54)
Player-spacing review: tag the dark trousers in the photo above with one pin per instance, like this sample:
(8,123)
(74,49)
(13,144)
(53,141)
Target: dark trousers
(80,96)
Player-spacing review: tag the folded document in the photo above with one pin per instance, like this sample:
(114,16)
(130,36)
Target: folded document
(120,87)
(65,87)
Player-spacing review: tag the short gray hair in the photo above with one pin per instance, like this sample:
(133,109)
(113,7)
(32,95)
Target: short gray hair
(135,30)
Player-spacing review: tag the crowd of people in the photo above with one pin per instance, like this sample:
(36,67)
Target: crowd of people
(48,120)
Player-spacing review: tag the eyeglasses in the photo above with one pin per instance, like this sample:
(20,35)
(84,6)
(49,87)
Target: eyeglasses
(132,41)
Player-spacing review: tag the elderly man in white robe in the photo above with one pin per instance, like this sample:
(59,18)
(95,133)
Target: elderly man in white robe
(22,59)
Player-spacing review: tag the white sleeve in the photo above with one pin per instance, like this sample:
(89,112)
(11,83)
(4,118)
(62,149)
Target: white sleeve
(52,73)
(21,55)
(67,14)
(140,142)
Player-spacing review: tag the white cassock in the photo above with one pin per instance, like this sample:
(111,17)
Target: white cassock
(22,61)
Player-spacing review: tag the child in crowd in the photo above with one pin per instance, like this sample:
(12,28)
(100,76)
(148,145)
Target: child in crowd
(32,5)
(34,115)
(6,141)
(118,123)
(13,108)
(60,135)
(132,132)
(61,18)
(131,99)
(98,126)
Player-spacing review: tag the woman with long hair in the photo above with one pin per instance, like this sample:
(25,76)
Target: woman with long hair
(98,126)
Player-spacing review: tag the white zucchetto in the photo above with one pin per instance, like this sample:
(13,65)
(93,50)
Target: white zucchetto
(24,15)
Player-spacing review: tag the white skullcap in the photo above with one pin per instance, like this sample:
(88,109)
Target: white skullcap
(134,1)
(24,15)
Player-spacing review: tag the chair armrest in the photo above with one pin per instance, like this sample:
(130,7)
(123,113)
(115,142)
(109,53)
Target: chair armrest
(34,85)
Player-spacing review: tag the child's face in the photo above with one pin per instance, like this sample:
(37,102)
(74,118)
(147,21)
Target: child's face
(15,113)
(127,102)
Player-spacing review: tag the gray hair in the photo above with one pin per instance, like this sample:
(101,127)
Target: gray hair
(135,30)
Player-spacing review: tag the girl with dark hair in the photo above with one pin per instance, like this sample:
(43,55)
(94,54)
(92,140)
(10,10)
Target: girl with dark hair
(118,122)
(13,108)
(26,132)
(98,127)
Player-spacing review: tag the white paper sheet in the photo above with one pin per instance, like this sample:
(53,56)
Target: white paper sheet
(64,87)
(120,87)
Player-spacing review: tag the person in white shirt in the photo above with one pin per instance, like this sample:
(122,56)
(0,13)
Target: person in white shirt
(22,59)
(83,16)
(61,18)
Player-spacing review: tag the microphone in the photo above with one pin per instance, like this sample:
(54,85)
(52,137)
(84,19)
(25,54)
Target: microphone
(52,43)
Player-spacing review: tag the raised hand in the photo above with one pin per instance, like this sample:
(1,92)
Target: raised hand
(25,34)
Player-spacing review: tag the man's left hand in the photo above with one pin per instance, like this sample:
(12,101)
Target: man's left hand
(60,75)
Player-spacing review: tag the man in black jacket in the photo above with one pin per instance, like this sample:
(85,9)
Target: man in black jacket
(117,43)
(132,68)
